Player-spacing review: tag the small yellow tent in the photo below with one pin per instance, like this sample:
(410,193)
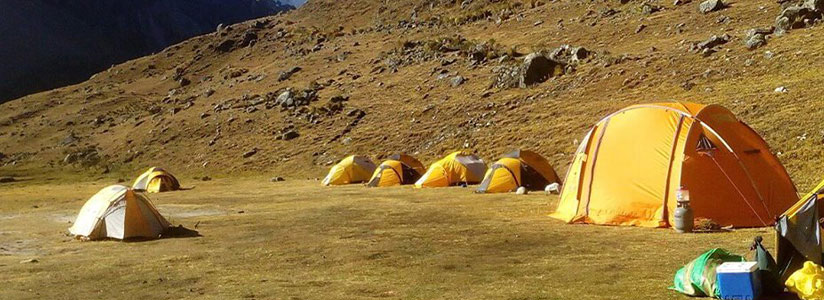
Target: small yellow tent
(118,212)
(353,169)
(630,165)
(516,169)
(156,180)
(455,168)
(397,170)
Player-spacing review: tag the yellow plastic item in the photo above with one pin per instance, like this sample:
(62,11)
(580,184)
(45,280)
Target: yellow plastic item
(808,282)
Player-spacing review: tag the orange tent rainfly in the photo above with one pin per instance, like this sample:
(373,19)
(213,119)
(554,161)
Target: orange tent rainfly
(455,168)
(353,169)
(397,170)
(628,167)
(519,168)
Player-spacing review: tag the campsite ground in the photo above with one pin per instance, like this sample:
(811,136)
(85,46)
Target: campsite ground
(297,240)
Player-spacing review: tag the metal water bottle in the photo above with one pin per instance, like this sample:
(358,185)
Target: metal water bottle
(683,212)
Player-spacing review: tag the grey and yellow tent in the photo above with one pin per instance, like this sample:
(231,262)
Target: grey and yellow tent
(519,168)
(397,170)
(798,233)
(352,169)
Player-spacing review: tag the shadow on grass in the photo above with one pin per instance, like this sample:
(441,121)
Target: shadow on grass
(179,232)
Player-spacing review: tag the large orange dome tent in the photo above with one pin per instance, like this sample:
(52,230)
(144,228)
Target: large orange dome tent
(628,167)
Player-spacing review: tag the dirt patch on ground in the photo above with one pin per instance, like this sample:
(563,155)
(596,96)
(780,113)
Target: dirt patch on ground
(190,211)
(19,248)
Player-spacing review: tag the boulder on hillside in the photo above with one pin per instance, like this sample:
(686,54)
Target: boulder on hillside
(710,6)
(801,16)
(537,68)
(757,37)
(569,55)
(707,46)
(285,75)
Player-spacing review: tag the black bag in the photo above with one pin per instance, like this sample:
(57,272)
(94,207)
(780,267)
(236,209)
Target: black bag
(767,269)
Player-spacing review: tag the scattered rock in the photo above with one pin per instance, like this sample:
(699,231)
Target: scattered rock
(277,179)
(710,6)
(521,191)
(206,178)
(640,28)
(537,68)
(7,179)
(29,261)
(85,157)
(457,80)
(286,98)
(68,140)
(781,89)
(289,135)
(754,41)
(250,153)
(708,46)
(249,38)
(569,55)
(798,16)
(285,75)
(226,45)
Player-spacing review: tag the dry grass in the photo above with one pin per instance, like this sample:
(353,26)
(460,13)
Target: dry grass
(297,240)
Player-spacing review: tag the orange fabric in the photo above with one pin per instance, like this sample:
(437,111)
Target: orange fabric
(634,161)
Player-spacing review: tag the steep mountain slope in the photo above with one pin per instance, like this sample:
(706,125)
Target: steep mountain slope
(376,77)
(52,43)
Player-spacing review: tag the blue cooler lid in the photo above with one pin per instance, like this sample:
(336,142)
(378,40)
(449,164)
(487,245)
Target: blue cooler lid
(737,267)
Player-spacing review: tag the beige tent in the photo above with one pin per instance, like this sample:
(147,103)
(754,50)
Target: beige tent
(118,212)
(156,180)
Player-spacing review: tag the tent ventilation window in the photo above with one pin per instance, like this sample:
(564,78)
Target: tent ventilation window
(705,145)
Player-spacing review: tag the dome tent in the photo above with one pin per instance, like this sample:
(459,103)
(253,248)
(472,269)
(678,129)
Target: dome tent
(353,169)
(516,169)
(457,167)
(156,180)
(118,212)
(798,233)
(628,167)
(397,170)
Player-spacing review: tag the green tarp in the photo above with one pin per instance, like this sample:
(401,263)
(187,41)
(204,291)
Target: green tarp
(697,278)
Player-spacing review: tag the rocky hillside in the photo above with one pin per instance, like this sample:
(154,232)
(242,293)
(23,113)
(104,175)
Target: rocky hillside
(53,43)
(295,92)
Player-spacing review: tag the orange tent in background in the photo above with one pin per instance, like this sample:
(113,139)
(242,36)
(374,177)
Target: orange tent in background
(627,169)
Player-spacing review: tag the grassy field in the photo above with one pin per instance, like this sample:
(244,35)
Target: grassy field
(297,240)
